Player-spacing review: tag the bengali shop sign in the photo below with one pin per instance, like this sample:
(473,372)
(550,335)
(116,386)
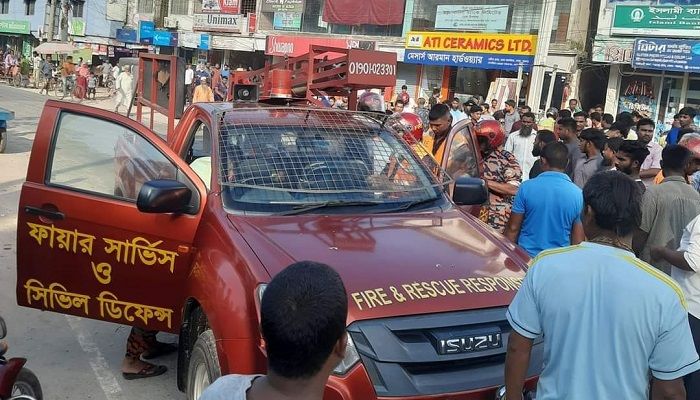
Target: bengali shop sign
(296,6)
(469,17)
(471,50)
(667,55)
(671,20)
(220,6)
(612,51)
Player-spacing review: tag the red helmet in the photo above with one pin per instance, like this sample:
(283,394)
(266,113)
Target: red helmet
(491,130)
(413,127)
(691,142)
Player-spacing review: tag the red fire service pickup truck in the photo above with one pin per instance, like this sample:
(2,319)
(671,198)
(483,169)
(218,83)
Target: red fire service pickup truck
(182,236)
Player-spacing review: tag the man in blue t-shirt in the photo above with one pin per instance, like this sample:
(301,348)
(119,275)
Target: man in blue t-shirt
(608,320)
(547,210)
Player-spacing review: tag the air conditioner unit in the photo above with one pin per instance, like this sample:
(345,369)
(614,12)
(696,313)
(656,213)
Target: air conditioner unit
(170,22)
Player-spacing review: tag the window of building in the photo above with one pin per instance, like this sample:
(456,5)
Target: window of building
(560,26)
(146,6)
(29,7)
(179,7)
(78,8)
(4,6)
(247,6)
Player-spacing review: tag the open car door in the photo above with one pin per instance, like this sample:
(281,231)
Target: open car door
(83,246)
(461,157)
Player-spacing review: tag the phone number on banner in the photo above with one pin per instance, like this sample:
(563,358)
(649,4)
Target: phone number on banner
(508,62)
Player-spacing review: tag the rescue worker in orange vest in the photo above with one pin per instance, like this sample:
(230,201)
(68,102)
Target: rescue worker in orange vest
(440,120)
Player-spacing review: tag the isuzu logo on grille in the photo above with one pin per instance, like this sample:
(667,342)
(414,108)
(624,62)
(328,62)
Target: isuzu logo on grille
(469,343)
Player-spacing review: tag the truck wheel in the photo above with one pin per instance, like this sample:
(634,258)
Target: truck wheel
(204,365)
(3,140)
(27,384)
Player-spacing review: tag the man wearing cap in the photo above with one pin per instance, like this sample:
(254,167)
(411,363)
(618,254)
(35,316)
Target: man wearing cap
(202,93)
(549,120)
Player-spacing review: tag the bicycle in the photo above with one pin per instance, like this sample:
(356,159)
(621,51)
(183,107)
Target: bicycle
(75,92)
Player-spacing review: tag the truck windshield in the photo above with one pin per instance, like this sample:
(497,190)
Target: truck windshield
(309,161)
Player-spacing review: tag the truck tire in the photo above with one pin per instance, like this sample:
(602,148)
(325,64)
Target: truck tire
(204,365)
(27,384)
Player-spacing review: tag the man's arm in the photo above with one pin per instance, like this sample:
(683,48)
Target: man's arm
(639,240)
(517,361)
(649,173)
(677,258)
(577,234)
(502,188)
(667,390)
(513,227)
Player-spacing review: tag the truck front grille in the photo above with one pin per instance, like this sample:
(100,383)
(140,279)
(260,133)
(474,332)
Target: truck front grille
(401,354)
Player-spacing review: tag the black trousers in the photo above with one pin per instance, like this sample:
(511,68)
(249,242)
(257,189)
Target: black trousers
(692,381)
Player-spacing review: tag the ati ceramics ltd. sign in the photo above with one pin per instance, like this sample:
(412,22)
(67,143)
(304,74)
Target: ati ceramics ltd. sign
(218,22)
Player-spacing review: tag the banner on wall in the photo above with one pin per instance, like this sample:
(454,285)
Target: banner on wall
(467,17)
(218,22)
(221,6)
(287,21)
(667,55)
(283,6)
(666,20)
(294,46)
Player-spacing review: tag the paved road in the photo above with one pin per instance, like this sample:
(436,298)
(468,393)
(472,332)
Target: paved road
(74,358)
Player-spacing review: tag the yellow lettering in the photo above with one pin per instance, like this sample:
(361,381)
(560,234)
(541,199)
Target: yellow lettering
(383,296)
(372,299)
(429,289)
(467,284)
(440,292)
(409,291)
(456,287)
(492,283)
(501,284)
(358,300)
(476,283)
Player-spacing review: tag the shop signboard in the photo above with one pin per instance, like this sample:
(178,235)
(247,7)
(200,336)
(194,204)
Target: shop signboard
(146,29)
(296,6)
(127,35)
(294,46)
(76,27)
(471,50)
(467,17)
(252,21)
(162,37)
(670,20)
(287,21)
(189,40)
(218,22)
(14,26)
(667,55)
(372,68)
(220,6)
(612,51)
(204,41)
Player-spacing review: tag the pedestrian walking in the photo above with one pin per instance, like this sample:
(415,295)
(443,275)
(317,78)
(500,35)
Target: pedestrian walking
(37,62)
(106,72)
(189,79)
(608,319)
(520,143)
(67,72)
(547,211)
(685,265)
(202,93)
(91,86)
(456,111)
(125,89)
(302,320)
(629,158)
(566,130)
(652,164)
(543,138)
(549,120)
(511,115)
(221,90)
(47,73)
(502,174)
(668,207)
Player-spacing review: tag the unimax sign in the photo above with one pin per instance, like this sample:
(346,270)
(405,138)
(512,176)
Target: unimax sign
(218,22)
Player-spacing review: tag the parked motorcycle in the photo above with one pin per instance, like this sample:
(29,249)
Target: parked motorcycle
(16,382)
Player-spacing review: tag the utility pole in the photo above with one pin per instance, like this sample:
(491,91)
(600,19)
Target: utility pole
(52,18)
(539,68)
(65,10)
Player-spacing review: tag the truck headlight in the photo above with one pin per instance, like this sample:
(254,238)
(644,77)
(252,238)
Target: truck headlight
(351,358)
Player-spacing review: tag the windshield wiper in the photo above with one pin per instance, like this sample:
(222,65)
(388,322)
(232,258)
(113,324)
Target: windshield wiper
(303,208)
(407,205)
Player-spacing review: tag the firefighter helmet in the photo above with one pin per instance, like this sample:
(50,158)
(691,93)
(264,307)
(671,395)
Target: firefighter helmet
(492,131)
(412,127)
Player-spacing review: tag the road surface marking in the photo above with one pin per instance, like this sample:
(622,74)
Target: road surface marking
(99,365)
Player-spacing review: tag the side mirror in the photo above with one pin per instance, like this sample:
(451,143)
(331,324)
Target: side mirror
(470,192)
(163,196)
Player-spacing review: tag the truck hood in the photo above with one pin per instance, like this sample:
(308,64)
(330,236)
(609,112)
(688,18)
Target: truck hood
(392,265)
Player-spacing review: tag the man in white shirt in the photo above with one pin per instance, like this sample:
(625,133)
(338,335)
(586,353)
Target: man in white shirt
(685,267)
(520,143)
(457,113)
(189,78)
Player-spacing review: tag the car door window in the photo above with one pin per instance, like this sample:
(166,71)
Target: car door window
(461,157)
(105,158)
(199,153)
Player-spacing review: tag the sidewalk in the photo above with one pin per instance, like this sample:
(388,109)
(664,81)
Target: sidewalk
(105,102)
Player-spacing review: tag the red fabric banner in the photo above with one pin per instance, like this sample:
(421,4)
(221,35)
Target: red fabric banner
(375,12)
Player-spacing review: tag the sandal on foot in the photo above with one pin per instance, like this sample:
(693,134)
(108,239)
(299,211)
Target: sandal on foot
(161,349)
(148,371)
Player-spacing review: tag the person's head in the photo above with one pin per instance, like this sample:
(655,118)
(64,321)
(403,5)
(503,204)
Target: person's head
(630,156)
(411,127)
(189,66)
(543,138)
(691,141)
(440,119)
(598,108)
(203,81)
(484,108)
(525,109)
(127,68)
(398,106)
(645,130)
(580,118)
(510,106)
(566,128)
(553,113)
(331,100)
(612,145)
(686,116)
(490,135)
(455,103)
(636,116)
(370,101)
(607,120)
(565,113)
(625,119)
(596,118)
(303,313)
(69,59)
(554,156)
(612,206)
(528,124)
(494,103)
(677,160)
(421,102)
(404,88)
(35,54)
(573,103)
(676,121)
(592,141)
(475,112)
